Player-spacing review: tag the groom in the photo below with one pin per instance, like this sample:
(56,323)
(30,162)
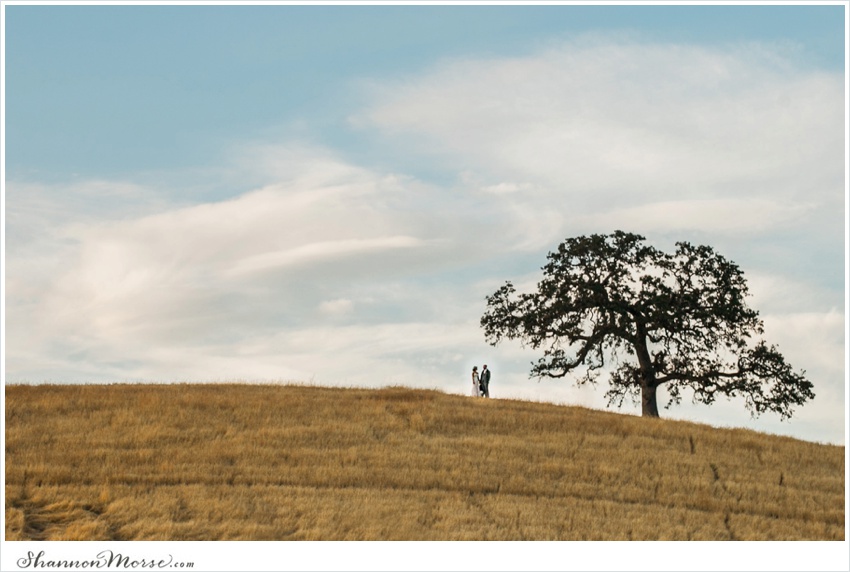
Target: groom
(485,381)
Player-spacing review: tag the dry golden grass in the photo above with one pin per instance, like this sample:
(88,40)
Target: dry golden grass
(271,462)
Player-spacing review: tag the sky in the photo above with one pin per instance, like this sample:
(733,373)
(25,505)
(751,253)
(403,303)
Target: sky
(326,194)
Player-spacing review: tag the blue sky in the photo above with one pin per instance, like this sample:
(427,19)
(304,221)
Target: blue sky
(326,194)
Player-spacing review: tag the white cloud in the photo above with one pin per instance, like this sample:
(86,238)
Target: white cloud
(507,188)
(306,247)
(337,307)
(323,251)
(594,127)
(733,216)
(815,339)
(777,293)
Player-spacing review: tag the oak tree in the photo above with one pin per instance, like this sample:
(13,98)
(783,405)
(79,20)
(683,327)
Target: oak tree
(614,304)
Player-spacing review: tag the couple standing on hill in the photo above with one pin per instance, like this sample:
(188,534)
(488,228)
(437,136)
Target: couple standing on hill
(480,385)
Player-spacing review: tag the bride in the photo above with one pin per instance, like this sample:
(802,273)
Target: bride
(476,390)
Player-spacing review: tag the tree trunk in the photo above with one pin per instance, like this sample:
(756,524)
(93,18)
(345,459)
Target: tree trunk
(649,406)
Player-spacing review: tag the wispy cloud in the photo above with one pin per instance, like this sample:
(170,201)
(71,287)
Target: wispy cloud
(606,124)
(728,216)
(320,252)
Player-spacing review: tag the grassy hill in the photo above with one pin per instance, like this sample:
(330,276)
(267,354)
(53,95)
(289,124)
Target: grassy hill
(271,462)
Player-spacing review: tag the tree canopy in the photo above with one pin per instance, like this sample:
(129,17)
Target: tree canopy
(614,304)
